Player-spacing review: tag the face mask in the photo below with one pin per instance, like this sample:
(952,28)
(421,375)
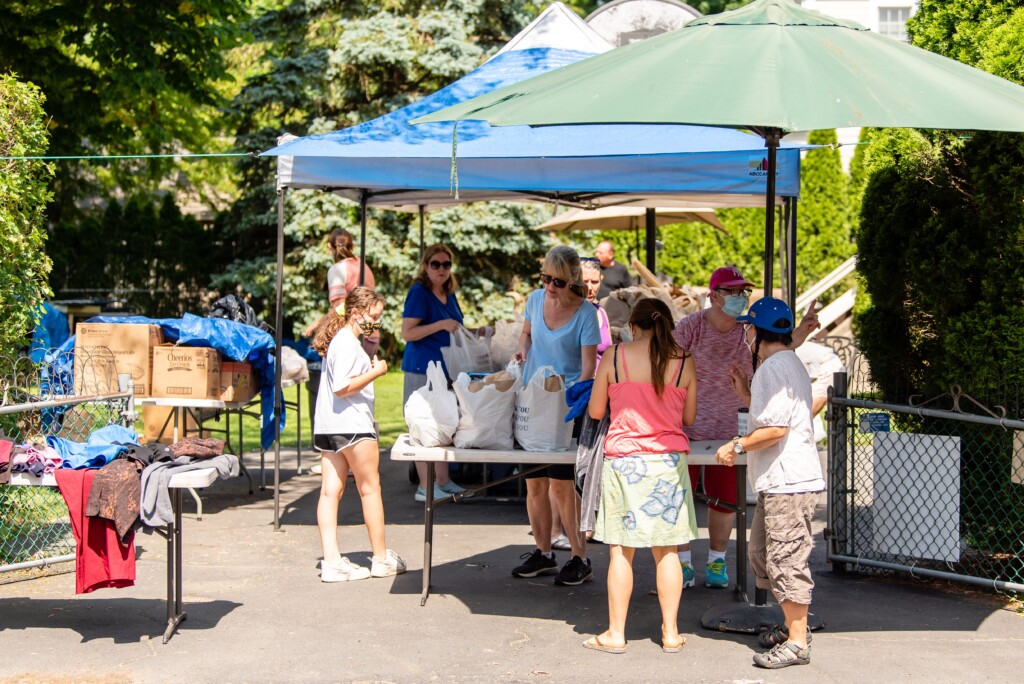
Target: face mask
(368,327)
(626,334)
(734,305)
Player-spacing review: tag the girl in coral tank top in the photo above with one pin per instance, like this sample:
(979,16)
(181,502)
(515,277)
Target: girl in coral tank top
(650,387)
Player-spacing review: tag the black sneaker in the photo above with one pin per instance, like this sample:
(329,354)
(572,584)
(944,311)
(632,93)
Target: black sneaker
(576,571)
(536,564)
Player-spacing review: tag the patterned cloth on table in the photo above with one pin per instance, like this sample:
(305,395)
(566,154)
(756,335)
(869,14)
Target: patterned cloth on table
(646,501)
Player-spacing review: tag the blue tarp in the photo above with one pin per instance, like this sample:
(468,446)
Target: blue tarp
(388,154)
(51,331)
(236,341)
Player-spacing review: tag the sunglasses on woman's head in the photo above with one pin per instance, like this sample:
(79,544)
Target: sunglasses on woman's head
(438,265)
(547,280)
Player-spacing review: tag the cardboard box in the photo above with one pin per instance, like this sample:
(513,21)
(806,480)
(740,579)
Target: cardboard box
(236,381)
(154,418)
(186,372)
(103,350)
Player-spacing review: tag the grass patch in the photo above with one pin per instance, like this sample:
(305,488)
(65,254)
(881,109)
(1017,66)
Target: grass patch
(388,390)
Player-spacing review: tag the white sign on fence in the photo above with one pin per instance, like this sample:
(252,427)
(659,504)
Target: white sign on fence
(916,503)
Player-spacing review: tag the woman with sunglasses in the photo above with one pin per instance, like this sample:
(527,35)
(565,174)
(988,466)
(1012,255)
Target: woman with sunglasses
(592,278)
(430,314)
(562,331)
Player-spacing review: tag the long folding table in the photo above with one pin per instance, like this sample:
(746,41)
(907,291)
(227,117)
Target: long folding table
(701,453)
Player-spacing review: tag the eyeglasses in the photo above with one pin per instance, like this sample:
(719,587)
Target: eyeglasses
(440,265)
(734,291)
(593,260)
(547,280)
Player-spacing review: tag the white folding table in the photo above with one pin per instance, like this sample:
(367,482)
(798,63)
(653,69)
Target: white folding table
(192,479)
(701,453)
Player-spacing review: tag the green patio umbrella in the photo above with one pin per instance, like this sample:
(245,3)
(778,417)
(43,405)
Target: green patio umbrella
(771,67)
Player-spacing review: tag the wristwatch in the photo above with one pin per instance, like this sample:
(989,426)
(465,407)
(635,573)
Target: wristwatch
(737,447)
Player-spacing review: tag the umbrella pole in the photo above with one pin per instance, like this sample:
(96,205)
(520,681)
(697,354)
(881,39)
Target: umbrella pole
(651,226)
(278,325)
(772,136)
(362,236)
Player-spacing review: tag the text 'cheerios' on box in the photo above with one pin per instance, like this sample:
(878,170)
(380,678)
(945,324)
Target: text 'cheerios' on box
(181,372)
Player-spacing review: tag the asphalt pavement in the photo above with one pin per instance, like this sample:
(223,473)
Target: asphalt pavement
(257,611)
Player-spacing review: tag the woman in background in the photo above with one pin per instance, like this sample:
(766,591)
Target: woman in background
(592,278)
(430,314)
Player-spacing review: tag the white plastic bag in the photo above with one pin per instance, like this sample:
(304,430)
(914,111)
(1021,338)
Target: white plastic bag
(466,354)
(432,412)
(485,411)
(540,413)
(505,341)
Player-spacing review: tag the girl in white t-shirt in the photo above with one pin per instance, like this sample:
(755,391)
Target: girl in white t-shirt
(343,432)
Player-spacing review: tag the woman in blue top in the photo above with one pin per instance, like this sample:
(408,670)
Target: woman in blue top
(561,330)
(430,314)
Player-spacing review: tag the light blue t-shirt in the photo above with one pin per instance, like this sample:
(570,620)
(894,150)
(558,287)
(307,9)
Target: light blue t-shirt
(559,348)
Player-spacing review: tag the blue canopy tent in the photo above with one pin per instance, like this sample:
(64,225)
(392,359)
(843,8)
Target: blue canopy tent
(388,163)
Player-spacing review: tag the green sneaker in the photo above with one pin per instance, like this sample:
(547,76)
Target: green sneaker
(689,576)
(715,576)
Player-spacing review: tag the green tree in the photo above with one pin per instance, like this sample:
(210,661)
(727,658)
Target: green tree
(144,252)
(332,64)
(824,214)
(940,235)
(23,197)
(122,78)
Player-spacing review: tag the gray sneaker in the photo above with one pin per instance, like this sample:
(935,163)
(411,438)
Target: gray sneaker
(783,655)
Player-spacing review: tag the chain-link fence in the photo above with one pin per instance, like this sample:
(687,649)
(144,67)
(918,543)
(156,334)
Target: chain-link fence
(37,401)
(930,491)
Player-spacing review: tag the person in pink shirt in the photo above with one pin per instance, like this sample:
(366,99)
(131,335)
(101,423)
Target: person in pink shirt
(646,498)
(716,341)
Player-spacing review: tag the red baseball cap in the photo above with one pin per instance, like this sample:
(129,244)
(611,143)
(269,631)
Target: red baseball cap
(728,276)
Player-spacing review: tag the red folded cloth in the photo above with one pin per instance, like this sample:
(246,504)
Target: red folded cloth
(101,560)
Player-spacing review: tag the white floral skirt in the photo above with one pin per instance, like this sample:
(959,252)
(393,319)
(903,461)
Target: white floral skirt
(646,501)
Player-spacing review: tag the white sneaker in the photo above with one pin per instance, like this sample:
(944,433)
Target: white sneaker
(342,571)
(561,543)
(390,564)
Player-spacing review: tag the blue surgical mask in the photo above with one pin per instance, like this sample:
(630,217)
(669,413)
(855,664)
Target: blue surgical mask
(733,305)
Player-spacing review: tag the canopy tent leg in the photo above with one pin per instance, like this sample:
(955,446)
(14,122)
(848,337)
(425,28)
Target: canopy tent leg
(363,195)
(422,246)
(278,325)
(791,204)
(652,229)
(783,218)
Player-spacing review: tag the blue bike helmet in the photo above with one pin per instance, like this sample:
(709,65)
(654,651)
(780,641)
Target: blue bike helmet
(770,314)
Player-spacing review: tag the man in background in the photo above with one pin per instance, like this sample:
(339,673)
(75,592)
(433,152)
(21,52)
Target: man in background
(614,275)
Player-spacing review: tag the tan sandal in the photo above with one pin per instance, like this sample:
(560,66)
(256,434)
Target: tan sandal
(595,645)
(674,649)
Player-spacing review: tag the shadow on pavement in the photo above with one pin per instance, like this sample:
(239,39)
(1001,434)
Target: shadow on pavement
(122,620)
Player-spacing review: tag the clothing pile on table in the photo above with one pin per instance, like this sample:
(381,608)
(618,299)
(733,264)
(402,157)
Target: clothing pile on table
(112,485)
